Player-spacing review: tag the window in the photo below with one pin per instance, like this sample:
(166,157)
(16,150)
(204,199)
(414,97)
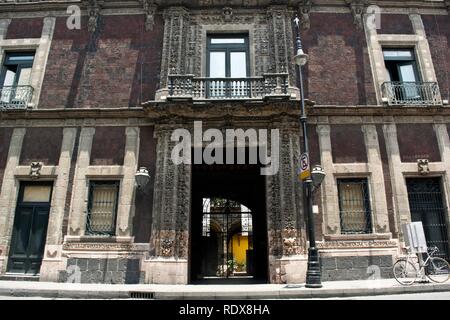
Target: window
(354,206)
(401,65)
(102,207)
(228,58)
(15,79)
(17,69)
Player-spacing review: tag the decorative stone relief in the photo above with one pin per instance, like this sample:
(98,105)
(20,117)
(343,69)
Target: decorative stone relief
(150,8)
(356,244)
(304,8)
(35,170)
(357,9)
(422,166)
(93,9)
(171,206)
(176,27)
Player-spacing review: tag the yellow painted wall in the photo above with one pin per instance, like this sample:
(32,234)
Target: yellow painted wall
(239,248)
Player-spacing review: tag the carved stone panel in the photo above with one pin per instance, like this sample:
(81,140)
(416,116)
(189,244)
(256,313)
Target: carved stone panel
(171,206)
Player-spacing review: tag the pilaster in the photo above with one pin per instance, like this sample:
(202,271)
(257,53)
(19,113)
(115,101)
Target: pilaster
(8,195)
(329,188)
(400,192)
(125,210)
(378,190)
(77,217)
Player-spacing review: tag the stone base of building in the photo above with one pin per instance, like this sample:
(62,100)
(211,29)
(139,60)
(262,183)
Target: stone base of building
(102,270)
(288,269)
(165,271)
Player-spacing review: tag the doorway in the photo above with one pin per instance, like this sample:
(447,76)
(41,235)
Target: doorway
(228,225)
(426,204)
(30,228)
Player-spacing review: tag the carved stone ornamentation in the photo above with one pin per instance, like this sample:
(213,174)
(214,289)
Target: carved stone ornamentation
(166,247)
(227,14)
(150,8)
(304,8)
(356,244)
(93,10)
(422,166)
(35,170)
(176,27)
(357,9)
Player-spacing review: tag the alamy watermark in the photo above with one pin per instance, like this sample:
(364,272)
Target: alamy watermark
(228,148)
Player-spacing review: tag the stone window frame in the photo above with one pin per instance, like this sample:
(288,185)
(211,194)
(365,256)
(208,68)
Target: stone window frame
(84,172)
(41,47)
(417,41)
(106,180)
(358,174)
(230,29)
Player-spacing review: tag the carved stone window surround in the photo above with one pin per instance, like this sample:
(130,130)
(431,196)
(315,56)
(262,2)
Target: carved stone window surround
(228,28)
(418,41)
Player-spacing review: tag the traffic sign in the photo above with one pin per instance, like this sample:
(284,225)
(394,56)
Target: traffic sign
(305,167)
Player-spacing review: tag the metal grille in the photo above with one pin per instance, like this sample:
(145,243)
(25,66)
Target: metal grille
(15,97)
(101,219)
(188,86)
(427,205)
(412,93)
(141,295)
(354,206)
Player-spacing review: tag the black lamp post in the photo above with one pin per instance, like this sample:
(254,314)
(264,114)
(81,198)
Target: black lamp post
(315,177)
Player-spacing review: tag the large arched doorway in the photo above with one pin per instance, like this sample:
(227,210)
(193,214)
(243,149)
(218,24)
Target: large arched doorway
(228,225)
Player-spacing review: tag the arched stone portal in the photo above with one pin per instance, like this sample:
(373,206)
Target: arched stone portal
(276,199)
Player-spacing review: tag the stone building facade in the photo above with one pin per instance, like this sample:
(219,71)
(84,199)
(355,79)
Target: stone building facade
(104,99)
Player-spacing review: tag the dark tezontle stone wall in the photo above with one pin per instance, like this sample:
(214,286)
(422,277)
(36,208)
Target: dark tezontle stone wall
(355,268)
(110,271)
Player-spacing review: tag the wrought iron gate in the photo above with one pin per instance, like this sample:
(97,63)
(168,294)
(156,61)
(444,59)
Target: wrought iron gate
(227,244)
(426,204)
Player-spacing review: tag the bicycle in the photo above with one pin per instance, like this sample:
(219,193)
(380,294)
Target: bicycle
(435,268)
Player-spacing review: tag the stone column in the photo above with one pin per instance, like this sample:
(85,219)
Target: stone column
(440,127)
(378,190)
(52,253)
(8,195)
(125,207)
(286,221)
(401,203)
(41,57)
(330,195)
(171,209)
(176,27)
(77,217)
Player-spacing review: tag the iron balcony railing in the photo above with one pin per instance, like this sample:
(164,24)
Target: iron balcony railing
(15,97)
(411,93)
(190,87)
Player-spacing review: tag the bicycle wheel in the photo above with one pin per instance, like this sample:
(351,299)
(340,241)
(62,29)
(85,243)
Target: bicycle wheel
(405,272)
(438,270)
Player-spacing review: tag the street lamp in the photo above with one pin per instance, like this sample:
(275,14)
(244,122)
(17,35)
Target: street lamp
(314,179)
(142,178)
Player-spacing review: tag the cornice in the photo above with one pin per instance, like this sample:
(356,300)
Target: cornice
(61,5)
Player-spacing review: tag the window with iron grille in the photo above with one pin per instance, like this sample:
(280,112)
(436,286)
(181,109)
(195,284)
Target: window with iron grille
(354,206)
(102,208)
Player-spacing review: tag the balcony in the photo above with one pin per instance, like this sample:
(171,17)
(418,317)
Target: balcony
(411,93)
(15,97)
(188,87)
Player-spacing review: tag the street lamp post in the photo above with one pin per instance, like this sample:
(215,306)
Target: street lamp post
(313,272)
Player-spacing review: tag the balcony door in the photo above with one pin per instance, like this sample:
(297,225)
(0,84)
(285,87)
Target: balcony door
(401,70)
(16,76)
(228,66)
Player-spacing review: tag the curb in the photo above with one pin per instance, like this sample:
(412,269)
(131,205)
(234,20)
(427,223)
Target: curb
(230,295)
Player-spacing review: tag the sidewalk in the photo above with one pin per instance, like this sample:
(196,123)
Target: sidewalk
(261,291)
